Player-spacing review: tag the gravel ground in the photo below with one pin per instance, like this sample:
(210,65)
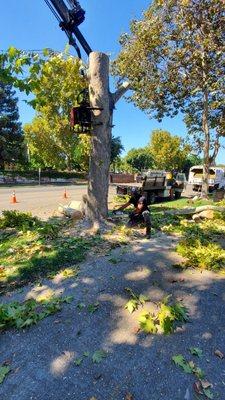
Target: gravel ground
(42,357)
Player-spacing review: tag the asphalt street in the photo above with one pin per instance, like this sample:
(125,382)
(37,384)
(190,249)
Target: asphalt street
(41,200)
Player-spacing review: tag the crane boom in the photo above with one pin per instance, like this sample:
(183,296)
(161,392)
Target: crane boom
(69,20)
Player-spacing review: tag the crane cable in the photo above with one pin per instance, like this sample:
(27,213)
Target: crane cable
(52,10)
(69,34)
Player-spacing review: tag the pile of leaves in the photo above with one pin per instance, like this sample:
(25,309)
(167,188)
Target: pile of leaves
(200,244)
(21,315)
(165,320)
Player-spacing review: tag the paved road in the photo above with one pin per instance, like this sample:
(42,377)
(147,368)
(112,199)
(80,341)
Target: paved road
(41,200)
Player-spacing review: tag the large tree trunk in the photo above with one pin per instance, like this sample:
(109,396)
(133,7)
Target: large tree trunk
(97,198)
(103,103)
(205,128)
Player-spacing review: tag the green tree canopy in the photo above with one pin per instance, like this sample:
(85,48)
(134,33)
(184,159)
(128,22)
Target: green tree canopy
(50,138)
(11,135)
(139,159)
(116,148)
(174,60)
(168,152)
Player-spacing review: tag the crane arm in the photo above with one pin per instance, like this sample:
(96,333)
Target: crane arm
(69,20)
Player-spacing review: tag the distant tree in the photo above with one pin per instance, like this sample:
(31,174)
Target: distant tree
(139,159)
(11,135)
(174,60)
(168,152)
(116,150)
(49,137)
(190,161)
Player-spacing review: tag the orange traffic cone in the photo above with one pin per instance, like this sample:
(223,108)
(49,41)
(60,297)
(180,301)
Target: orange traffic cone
(65,195)
(13,198)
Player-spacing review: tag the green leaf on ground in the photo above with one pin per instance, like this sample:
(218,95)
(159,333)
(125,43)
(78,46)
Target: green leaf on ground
(131,305)
(70,272)
(199,373)
(92,308)
(78,361)
(86,354)
(98,356)
(208,393)
(80,306)
(3,372)
(195,351)
(147,323)
(113,260)
(178,359)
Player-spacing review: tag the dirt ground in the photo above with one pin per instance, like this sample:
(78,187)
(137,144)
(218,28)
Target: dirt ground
(137,366)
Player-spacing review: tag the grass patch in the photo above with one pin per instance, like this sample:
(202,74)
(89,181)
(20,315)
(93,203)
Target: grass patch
(38,250)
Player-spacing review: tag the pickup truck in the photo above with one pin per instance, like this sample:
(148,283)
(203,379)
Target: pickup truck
(157,184)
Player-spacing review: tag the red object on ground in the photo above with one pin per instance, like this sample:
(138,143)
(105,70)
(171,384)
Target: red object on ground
(13,198)
(65,195)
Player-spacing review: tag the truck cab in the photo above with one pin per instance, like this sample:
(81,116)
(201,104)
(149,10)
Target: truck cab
(216,178)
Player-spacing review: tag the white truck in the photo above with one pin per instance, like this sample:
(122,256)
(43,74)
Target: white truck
(157,184)
(216,178)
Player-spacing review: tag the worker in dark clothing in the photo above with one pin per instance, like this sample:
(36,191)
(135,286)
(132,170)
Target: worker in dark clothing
(141,212)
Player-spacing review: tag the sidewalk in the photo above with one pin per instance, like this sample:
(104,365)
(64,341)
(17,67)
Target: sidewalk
(42,357)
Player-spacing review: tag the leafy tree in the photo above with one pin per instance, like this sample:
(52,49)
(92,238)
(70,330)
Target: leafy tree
(174,59)
(103,103)
(11,135)
(168,152)
(190,161)
(116,150)
(139,159)
(50,138)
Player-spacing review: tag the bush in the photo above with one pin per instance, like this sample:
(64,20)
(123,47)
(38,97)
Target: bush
(17,219)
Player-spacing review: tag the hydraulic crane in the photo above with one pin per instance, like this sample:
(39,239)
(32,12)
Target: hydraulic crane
(70,17)
(69,20)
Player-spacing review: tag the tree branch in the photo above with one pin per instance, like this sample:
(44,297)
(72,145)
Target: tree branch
(120,91)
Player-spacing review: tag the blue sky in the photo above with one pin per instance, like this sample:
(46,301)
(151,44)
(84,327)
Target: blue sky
(29,24)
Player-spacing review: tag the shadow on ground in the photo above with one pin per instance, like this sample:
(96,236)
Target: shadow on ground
(42,357)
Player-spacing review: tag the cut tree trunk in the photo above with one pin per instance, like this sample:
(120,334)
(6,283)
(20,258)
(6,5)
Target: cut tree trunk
(97,198)
(205,128)
(103,103)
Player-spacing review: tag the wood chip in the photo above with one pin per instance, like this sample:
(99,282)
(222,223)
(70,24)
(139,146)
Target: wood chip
(129,396)
(219,354)
(206,384)
(198,387)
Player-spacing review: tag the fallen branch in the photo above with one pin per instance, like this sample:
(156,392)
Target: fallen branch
(194,210)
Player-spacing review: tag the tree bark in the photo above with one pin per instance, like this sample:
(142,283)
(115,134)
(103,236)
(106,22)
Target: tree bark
(97,198)
(205,128)
(102,102)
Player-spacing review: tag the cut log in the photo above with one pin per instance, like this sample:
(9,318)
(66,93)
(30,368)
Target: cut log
(194,210)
